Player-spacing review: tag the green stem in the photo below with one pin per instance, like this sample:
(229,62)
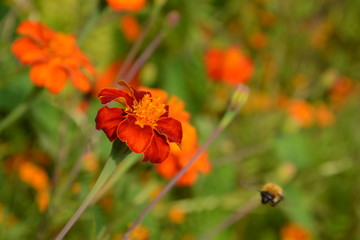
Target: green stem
(120,170)
(20,110)
(108,169)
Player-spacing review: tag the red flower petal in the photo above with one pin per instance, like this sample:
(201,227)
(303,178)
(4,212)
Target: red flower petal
(107,95)
(171,128)
(135,137)
(108,119)
(137,95)
(158,151)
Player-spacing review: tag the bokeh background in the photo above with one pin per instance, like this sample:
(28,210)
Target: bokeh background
(299,128)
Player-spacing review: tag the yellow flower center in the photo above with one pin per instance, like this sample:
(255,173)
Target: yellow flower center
(148,110)
(61,46)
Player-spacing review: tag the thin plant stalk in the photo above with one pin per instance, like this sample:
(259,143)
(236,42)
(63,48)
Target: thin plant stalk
(20,110)
(108,169)
(237,101)
(136,47)
(233,218)
(172,20)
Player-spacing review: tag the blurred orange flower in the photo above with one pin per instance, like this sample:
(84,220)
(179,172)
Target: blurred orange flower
(301,111)
(126,5)
(294,232)
(342,89)
(176,215)
(144,125)
(323,115)
(130,28)
(54,57)
(33,175)
(231,66)
(179,157)
(37,178)
(139,233)
(258,40)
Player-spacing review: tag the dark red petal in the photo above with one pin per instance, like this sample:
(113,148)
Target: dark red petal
(107,95)
(136,137)
(166,114)
(137,95)
(158,151)
(171,128)
(108,120)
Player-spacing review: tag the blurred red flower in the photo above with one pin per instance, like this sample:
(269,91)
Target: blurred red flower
(231,66)
(126,5)
(143,124)
(180,157)
(54,57)
(130,28)
(294,232)
(301,111)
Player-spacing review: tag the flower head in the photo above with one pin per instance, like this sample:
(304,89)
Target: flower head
(54,57)
(130,28)
(180,157)
(143,124)
(126,5)
(294,232)
(231,66)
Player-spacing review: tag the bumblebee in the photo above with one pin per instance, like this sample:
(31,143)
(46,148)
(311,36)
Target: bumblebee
(271,194)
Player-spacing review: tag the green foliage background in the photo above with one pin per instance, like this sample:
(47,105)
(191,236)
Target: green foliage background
(323,193)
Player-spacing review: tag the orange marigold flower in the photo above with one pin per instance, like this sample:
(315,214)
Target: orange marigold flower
(302,112)
(126,5)
(324,116)
(179,157)
(213,62)
(231,66)
(342,89)
(54,57)
(42,200)
(33,175)
(176,215)
(144,123)
(130,27)
(294,232)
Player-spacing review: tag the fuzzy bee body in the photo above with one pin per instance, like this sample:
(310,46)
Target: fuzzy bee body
(271,194)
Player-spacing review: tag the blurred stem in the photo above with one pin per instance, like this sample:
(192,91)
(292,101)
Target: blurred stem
(144,56)
(21,109)
(171,21)
(233,218)
(90,24)
(108,169)
(237,100)
(136,47)
(120,171)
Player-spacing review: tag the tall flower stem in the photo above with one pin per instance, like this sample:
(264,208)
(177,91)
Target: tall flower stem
(233,218)
(107,171)
(139,41)
(172,20)
(20,110)
(237,100)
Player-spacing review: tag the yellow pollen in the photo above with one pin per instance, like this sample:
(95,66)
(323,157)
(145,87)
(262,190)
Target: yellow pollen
(148,110)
